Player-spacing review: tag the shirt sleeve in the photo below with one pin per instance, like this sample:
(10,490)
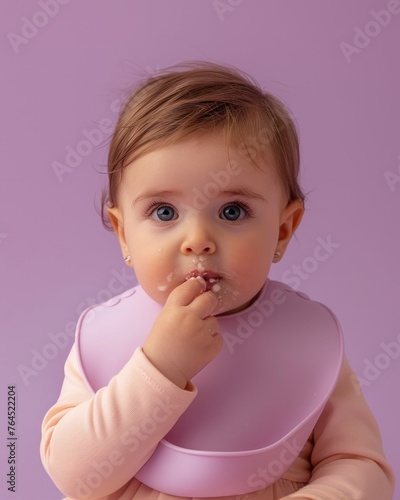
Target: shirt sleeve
(347,460)
(93,445)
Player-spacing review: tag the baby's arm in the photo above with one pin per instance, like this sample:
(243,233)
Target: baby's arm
(99,442)
(348,459)
(87,437)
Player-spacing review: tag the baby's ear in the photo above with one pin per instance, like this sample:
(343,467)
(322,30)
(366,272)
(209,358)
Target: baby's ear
(290,221)
(115,217)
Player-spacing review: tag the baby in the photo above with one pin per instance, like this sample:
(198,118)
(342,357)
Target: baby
(203,197)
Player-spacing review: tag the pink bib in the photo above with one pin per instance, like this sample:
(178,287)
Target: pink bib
(257,402)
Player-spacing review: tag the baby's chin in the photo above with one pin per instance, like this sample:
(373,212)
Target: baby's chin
(236,307)
(230,309)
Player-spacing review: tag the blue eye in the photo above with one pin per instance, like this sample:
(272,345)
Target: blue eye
(164,213)
(234,212)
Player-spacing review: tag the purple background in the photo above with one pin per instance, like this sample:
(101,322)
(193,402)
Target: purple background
(69,76)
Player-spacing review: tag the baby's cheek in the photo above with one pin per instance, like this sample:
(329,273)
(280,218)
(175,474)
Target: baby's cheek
(253,271)
(159,296)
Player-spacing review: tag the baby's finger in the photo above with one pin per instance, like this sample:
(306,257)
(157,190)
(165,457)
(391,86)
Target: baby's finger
(185,293)
(211,325)
(205,304)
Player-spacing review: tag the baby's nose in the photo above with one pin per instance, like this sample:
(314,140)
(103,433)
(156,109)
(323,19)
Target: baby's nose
(198,242)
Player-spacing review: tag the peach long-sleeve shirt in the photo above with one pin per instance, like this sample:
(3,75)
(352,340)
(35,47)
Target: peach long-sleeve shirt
(93,445)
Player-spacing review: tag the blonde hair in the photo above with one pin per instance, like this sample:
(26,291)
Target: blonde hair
(196,99)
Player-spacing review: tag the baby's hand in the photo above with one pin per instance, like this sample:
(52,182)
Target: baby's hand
(184,337)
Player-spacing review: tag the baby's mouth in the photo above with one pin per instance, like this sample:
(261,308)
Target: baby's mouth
(211,278)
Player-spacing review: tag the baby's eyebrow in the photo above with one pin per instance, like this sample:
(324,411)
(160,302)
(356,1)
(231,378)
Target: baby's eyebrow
(153,194)
(245,192)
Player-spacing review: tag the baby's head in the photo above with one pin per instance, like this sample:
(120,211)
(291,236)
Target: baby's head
(203,180)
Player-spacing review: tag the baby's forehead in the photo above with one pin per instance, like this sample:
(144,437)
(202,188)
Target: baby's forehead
(254,144)
(200,163)
(217,151)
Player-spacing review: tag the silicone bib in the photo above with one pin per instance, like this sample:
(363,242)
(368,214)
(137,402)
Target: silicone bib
(257,402)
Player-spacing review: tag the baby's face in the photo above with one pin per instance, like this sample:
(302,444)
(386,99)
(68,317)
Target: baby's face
(189,209)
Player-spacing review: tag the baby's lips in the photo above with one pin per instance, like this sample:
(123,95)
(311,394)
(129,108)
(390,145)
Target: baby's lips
(200,279)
